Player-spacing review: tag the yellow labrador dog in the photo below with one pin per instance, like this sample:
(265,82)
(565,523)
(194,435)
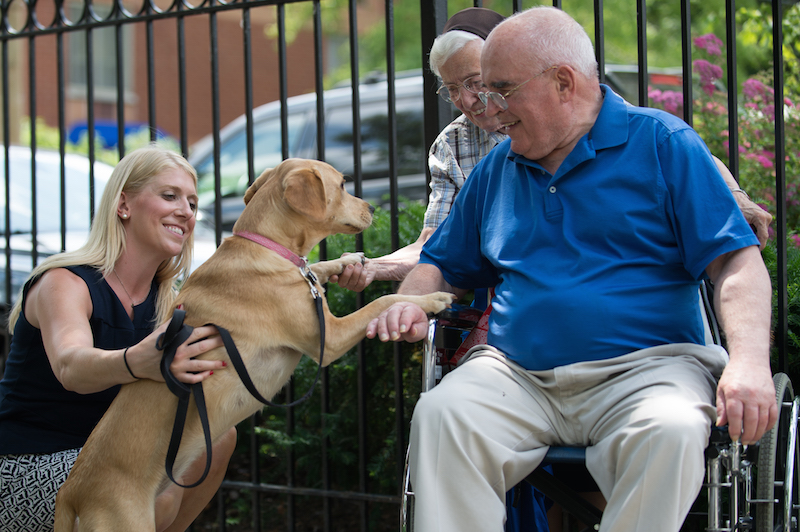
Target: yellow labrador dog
(265,302)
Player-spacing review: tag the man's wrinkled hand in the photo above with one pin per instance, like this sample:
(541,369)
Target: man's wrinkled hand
(746,402)
(402,321)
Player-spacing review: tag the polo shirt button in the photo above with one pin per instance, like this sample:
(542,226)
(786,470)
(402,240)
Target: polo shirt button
(552,190)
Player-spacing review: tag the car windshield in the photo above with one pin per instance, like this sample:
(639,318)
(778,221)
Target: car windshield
(48,191)
(375,139)
(233,158)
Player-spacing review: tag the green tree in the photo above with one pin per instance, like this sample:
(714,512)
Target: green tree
(620,46)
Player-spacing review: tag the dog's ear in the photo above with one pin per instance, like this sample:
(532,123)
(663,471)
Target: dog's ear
(252,189)
(304,191)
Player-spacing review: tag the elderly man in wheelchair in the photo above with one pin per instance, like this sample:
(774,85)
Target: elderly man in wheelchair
(595,222)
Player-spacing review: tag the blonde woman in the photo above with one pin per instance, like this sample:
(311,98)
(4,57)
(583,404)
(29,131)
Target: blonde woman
(84,324)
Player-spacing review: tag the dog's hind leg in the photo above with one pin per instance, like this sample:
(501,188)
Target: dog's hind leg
(65,520)
(125,517)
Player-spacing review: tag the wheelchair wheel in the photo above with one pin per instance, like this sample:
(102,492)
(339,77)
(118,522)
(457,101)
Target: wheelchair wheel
(777,466)
(407,503)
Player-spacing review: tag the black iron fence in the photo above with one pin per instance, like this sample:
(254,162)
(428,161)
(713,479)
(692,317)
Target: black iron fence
(183,71)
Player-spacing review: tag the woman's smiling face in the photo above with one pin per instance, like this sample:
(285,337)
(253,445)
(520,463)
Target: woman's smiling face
(162,215)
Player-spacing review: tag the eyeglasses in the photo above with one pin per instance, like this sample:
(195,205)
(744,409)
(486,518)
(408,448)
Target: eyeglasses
(500,99)
(452,93)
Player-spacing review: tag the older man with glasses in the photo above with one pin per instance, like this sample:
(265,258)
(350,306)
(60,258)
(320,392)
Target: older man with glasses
(455,59)
(595,222)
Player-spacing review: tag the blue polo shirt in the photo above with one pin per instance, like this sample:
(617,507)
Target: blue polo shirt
(604,257)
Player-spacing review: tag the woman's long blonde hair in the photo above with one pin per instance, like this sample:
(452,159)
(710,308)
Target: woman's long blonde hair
(107,241)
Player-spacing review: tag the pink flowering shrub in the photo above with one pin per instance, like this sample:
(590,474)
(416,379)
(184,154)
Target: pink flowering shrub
(756,127)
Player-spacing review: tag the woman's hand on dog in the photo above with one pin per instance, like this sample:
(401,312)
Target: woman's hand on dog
(145,360)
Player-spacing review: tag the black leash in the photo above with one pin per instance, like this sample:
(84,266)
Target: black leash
(238,363)
(174,336)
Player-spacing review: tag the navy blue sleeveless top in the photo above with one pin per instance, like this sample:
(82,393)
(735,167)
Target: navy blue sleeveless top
(37,415)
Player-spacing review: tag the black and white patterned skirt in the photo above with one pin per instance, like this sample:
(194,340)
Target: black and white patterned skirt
(28,487)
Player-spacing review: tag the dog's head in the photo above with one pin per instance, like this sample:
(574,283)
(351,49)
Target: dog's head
(306,193)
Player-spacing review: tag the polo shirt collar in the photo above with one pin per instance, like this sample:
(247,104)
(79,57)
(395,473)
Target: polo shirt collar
(611,127)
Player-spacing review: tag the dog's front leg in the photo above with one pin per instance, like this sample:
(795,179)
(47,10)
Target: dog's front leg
(345,332)
(325,269)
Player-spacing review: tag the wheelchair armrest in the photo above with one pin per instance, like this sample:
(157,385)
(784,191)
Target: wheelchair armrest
(459,316)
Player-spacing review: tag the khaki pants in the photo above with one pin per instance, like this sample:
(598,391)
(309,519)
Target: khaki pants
(645,416)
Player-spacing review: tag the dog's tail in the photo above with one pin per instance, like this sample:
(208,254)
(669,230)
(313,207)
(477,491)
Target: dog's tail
(65,514)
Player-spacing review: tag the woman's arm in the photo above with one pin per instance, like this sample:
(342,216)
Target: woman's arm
(60,306)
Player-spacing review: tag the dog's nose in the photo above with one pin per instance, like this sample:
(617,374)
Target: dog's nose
(371,208)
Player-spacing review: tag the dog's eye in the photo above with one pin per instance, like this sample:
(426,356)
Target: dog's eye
(342,185)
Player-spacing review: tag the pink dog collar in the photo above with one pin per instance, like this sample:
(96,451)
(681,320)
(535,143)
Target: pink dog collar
(300,262)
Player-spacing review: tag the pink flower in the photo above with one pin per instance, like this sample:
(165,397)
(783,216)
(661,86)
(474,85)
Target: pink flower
(709,73)
(710,43)
(716,108)
(671,100)
(654,94)
(753,88)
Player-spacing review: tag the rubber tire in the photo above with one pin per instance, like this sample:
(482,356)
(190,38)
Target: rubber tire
(407,503)
(771,465)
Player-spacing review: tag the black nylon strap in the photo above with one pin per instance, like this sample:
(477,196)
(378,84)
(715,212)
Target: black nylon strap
(241,370)
(169,341)
(174,336)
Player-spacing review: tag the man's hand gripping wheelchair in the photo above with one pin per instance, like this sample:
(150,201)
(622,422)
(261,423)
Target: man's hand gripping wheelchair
(747,487)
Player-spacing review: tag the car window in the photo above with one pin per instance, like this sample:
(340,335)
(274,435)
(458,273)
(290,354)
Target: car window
(233,157)
(48,191)
(375,139)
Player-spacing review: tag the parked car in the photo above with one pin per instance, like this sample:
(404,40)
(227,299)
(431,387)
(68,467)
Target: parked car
(302,138)
(302,135)
(48,219)
(48,211)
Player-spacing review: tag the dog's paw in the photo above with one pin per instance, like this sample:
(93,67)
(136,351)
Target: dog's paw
(324,270)
(351,258)
(436,302)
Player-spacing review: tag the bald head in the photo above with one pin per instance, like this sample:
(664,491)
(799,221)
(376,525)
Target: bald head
(541,69)
(542,37)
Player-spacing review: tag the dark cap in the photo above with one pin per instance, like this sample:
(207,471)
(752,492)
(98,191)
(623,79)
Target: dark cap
(477,20)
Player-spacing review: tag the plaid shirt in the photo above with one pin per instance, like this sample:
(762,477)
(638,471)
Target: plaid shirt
(453,155)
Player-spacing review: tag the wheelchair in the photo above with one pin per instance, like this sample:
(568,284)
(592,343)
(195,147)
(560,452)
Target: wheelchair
(751,487)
